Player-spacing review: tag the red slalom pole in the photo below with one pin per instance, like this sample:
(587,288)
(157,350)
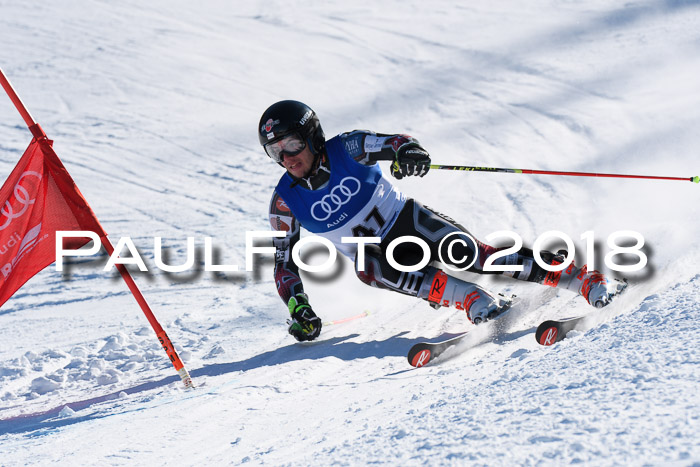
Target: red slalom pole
(160,333)
(165,342)
(34,127)
(695,179)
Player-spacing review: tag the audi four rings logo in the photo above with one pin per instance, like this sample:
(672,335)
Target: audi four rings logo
(21,194)
(339,195)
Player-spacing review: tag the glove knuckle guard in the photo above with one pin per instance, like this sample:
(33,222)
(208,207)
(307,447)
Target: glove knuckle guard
(411,160)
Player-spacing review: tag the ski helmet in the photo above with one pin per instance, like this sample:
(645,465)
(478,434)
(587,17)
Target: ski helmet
(289,117)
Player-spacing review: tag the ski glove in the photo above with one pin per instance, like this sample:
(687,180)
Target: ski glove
(304,325)
(411,159)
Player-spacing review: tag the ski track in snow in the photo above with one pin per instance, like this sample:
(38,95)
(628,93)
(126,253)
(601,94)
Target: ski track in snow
(153,108)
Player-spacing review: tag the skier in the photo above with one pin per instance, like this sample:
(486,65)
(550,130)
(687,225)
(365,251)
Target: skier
(336,189)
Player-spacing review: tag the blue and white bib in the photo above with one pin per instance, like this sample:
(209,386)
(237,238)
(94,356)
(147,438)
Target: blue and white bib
(357,200)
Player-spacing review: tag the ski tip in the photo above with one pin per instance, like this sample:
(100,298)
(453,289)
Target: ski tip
(421,358)
(548,335)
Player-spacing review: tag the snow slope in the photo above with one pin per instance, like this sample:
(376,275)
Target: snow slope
(153,108)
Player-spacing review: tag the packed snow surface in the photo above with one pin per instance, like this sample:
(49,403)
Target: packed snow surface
(153,107)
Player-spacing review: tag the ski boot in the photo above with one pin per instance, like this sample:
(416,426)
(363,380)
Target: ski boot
(597,289)
(591,285)
(443,290)
(488,307)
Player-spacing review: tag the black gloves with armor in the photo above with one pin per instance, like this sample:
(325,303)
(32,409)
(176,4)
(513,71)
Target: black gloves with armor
(304,324)
(411,159)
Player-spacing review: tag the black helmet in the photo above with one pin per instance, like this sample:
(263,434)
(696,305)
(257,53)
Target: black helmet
(287,117)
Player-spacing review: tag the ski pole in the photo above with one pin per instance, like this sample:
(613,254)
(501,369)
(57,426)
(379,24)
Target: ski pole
(345,320)
(695,179)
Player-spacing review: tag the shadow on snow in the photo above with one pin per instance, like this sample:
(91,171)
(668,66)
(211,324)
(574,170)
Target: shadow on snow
(38,424)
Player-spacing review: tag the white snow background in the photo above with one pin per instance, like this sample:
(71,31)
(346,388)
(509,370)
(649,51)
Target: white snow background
(153,107)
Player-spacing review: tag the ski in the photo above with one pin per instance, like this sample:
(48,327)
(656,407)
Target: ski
(424,352)
(552,331)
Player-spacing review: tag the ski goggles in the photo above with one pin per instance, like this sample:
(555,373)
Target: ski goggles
(290,145)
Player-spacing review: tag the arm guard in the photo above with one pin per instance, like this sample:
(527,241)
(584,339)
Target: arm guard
(287,277)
